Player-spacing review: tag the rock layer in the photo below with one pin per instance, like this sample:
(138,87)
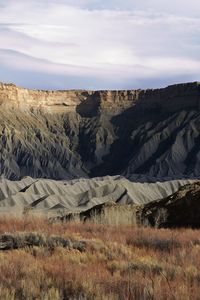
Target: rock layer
(86,103)
(172,98)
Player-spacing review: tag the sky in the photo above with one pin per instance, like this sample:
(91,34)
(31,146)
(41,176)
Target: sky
(99,44)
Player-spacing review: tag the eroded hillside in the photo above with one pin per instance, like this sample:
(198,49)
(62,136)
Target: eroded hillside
(68,134)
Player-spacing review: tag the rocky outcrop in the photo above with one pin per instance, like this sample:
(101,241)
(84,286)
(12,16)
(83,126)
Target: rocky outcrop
(68,134)
(181,209)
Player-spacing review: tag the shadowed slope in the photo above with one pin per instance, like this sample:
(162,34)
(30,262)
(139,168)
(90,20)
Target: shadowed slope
(181,209)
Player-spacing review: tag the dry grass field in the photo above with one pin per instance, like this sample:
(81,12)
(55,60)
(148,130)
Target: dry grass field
(121,262)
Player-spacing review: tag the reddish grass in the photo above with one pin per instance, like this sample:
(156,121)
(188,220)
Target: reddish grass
(121,263)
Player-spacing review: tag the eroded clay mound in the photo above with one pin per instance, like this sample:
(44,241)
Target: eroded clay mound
(60,197)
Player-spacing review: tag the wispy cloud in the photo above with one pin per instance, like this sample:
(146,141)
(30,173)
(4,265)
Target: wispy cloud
(99,44)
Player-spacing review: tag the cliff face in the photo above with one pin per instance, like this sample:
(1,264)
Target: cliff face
(172,98)
(90,102)
(65,134)
(60,101)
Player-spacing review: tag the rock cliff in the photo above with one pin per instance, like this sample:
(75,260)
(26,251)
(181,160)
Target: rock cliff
(172,98)
(86,103)
(67,134)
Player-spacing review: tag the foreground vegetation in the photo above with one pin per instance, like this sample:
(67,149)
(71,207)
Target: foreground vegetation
(116,263)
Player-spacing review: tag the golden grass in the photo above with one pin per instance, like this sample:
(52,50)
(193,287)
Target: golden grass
(121,262)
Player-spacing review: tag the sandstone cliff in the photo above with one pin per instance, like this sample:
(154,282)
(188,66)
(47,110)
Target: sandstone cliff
(172,98)
(84,102)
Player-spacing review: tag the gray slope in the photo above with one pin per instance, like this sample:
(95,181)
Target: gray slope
(67,146)
(45,196)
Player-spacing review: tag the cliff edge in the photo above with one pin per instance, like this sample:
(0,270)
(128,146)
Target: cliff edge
(90,103)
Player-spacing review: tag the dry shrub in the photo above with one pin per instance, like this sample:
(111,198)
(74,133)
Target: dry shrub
(120,262)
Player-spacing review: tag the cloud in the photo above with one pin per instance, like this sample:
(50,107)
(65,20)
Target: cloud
(101,44)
